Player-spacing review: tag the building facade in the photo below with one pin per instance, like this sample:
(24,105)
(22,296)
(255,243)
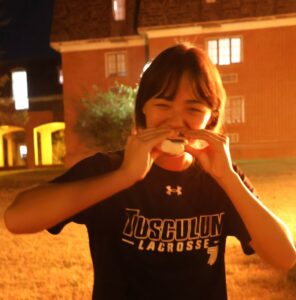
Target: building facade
(252,42)
(31,128)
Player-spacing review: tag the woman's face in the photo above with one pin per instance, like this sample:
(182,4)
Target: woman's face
(184,112)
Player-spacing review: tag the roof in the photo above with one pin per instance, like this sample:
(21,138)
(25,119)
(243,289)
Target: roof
(92,19)
(176,12)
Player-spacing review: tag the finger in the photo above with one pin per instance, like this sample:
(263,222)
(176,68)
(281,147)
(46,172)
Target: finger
(141,131)
(155,153)
(155,133)
(157,139)
(205,135)
(214,134)
(149,141)
(204,132)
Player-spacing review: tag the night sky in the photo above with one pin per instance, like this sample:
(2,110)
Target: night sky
(25,30)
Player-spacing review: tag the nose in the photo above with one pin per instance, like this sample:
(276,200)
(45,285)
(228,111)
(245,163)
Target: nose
(176,120)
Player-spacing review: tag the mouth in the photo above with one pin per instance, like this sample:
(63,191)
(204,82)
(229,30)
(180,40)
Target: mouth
(195,143)
(174,146)
(178,140)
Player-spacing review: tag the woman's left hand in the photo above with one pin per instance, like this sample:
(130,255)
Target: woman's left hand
(215,159)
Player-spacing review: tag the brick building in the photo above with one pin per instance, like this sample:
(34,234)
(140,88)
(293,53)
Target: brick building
(253,42)
(31,136)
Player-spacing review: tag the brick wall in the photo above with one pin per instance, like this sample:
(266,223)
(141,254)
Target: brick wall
(90,19)
(160,13)
(35,119)
(266,79)
(81,71)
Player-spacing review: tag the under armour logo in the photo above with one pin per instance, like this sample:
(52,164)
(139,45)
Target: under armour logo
(170,190)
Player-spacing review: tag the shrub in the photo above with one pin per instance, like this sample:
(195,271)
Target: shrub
(106,119)
(8,114)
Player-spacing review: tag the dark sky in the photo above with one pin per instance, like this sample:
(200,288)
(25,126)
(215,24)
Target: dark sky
(24,30)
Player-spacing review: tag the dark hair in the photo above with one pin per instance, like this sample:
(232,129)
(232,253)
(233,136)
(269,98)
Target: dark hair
(163,76)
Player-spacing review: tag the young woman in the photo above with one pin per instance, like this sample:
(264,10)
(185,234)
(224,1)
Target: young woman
(158,222)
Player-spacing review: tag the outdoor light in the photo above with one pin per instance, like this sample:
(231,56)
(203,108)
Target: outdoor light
(115,5)
(23,151)
(119,10)
(61,76)
(20,89)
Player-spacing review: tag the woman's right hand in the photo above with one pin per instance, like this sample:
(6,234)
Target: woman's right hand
(141,151)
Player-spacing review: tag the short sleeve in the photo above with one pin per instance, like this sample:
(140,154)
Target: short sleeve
(235,225)
(87,168)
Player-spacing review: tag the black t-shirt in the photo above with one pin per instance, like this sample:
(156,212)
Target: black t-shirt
(162,238)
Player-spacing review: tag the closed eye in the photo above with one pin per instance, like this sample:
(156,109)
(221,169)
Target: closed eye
(162,104)
(195,109)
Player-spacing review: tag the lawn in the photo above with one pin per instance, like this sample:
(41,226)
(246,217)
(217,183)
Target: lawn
(42,266)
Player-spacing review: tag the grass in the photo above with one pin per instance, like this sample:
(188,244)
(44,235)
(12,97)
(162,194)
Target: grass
(42,266)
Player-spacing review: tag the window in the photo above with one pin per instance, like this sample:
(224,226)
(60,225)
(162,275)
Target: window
(20,89)
(225,51)
(118,10)
(235,110)
(229,78)
(210,1)
(23,151)
(233,137)
(116,64)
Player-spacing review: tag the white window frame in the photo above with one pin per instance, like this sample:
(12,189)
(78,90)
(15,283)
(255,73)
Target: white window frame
(119,10)
(215,52)
(118,69)
(235,110)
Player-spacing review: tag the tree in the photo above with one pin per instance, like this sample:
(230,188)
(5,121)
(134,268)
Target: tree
(8,114)
(107,117)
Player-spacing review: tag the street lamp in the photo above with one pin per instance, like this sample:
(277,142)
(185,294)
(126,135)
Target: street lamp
(20,89)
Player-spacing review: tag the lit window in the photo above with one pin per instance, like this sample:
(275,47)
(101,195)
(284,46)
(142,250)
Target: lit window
(213,51)
(116,64)
(225,51)
(119,10)
(23,151)
(210,1)
(20,89)
(235,50)
(235,110)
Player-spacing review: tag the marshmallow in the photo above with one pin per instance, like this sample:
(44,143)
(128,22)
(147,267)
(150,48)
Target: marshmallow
(199,144)
(173,146)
